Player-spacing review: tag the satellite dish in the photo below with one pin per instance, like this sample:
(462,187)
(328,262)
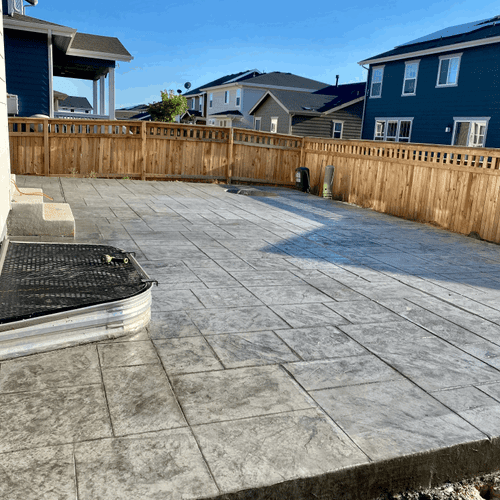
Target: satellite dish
(187,85)
(179,91)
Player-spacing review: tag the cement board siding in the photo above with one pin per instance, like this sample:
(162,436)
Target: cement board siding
(5,184)
(434,108)
(321,126)
(27,70)
(269,109)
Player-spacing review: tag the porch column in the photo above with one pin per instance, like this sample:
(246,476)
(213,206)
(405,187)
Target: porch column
(111,93)
(51,74)
(102,110)
(95,104)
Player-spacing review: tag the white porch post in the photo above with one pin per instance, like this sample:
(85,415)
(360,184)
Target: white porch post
(51,74)
(95,104)
(111,93)
(102,110)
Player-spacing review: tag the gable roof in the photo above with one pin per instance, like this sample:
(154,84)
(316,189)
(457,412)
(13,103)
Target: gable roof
(242,75)
(325,100)
(279,79)
(103,47)
(75,102)
(448,39)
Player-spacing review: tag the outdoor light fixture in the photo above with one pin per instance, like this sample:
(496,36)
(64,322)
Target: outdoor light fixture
(447,129)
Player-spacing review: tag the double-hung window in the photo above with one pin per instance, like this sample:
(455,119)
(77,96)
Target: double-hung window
(201,104)
(470,132)
(257,123)
(410,78)
(393,129)
(337,130)
(376,84)
(226,97)
(449,67)
(211,100)
(238,97)
(274,125)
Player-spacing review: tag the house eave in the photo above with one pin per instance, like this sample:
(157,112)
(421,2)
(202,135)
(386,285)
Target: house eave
(98,55)
(262,99)
(345,105)
(435,50)
(257,86)
(10,23)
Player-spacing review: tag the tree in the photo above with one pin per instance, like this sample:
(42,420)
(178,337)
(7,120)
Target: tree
(168,108)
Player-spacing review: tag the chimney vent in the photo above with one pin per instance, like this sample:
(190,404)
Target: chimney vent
(337,82)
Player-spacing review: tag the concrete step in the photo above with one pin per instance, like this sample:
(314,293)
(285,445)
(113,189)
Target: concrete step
(31,216)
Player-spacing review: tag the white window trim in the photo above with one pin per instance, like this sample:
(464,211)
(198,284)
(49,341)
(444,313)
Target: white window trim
(226,97)
(274,118)
(238,105)
(257,119)
(417,62)
(393,119)
(333,128)
(211,100)
(200,106)
(470,120)
(381,82)
(448,56)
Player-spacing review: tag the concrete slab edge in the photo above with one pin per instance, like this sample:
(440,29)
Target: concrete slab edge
(368,481)
(70,328)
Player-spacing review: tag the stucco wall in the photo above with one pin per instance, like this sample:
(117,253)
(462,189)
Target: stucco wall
(4,144)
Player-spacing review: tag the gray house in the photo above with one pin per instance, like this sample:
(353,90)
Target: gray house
(229,104)
(331,112)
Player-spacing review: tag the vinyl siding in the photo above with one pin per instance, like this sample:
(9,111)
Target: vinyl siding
(433,109)
(269,109)
(321,126)
(27,70)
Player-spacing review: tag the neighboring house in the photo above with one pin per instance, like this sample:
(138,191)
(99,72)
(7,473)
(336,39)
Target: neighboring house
(439,89)
(36,51)
(229,103)
(137,112)
(331,112)
(73,104)
(200,103)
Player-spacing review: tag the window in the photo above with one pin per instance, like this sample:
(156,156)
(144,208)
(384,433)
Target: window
(337,130)
(211,102)
(470,132)
(377,77)
(448,70)
(201,104)
(193,103)
(238,97)
(257,123)
(410,78)
(226,96)
(393,129)
(274,125)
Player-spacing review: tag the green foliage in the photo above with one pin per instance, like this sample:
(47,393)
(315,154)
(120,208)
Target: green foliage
(169,107)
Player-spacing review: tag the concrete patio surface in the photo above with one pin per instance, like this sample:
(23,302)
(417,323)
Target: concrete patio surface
(299,348)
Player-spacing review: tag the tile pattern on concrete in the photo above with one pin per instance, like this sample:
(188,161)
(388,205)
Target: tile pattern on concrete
(291,337)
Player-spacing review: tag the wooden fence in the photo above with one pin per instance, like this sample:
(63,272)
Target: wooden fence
(453,187)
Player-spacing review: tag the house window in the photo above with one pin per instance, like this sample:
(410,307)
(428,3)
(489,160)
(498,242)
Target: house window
(470,132)
(274,125)
(410,78)
(238,97)
(337,130)
(448,70)
(226,97)
(257,123)
(193,103)
(211,102)
(201,104)
(377,77)
(393,129)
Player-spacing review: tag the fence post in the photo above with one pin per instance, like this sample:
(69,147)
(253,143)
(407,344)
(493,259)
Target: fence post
(143,151)
(229,170)
(302,153)
(46,148)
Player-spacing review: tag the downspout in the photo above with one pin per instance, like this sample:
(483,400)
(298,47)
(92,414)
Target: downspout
(51,74)
(364,101)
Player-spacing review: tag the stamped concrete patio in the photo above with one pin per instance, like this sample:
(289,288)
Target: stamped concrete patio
(299,348)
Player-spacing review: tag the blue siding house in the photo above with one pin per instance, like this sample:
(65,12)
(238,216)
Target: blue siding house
(442,88)
(36,51)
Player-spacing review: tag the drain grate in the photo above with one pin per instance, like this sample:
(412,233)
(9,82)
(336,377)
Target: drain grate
(38,279)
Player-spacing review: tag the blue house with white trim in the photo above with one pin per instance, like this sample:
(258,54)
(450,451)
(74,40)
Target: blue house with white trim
(443,88)
(36,51)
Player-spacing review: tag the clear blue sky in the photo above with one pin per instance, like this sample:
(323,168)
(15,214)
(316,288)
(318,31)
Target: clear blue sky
(199,41)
